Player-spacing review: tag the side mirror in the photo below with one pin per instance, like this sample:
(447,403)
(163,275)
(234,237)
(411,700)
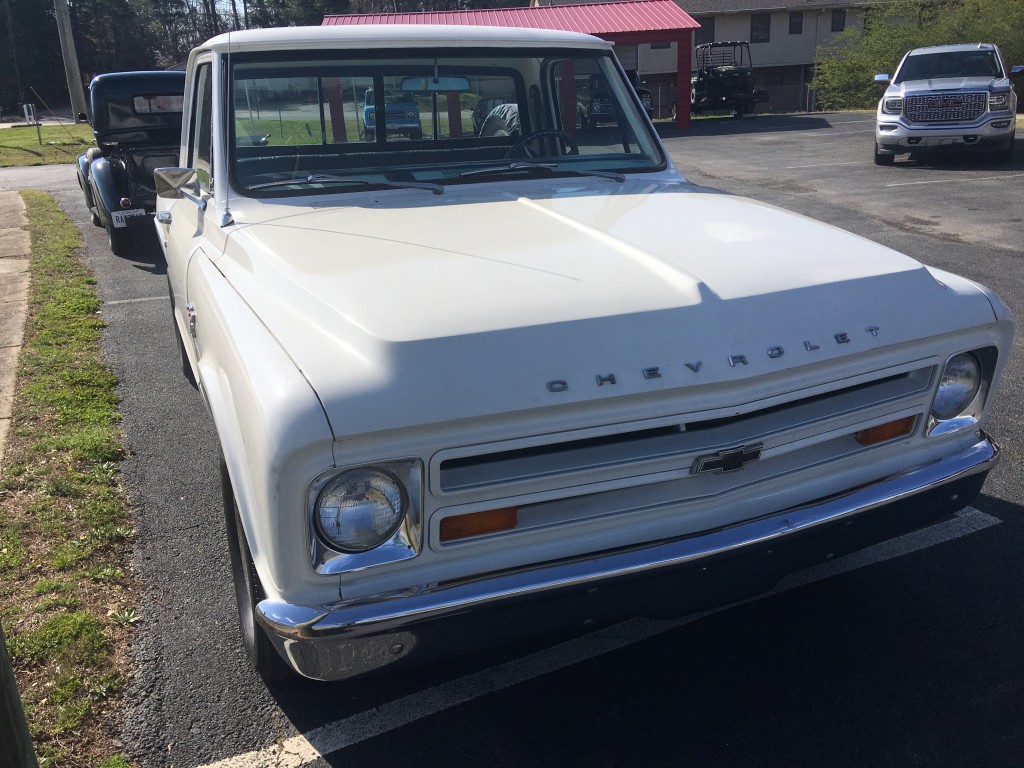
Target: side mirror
(171,183)
(1017,71)
(882,79)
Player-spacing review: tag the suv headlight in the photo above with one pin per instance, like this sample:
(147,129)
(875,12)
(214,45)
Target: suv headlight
(892,106)
(998,101)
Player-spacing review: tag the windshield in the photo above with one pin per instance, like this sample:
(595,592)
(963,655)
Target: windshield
(932,66)
(458,117)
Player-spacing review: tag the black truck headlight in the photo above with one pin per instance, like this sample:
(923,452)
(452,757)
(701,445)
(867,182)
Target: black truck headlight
(998,101)
(892,106)
(360,509)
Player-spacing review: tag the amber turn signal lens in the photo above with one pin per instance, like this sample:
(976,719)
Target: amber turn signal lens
(888,431)
(478,523)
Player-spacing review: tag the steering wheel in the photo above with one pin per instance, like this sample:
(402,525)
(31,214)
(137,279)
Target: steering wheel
(570,142)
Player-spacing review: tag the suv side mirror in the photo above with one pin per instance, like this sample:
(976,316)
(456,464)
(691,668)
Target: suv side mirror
(1017,71)
(882,79)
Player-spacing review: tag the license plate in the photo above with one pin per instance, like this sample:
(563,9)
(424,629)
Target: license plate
(121,217)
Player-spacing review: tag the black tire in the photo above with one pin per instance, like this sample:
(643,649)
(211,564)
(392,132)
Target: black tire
(248,592)
(121,240)
(1005,155)
(884,158)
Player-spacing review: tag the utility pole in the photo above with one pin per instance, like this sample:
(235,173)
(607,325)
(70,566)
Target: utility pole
(17,744)
(14,52)
(67,47)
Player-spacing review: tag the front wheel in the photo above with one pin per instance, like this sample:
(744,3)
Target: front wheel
(248,591)
(1005,155)
(884,158)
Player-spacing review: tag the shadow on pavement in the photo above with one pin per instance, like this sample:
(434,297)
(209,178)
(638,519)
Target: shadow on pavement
(732,126)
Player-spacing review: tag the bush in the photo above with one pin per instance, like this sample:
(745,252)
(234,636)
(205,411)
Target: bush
(846,68)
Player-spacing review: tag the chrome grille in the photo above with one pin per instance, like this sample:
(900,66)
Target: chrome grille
(677,444)
(952,107)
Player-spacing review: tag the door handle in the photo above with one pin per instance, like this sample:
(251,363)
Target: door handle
(164,217)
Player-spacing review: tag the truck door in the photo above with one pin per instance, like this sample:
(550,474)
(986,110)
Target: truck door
(184,220)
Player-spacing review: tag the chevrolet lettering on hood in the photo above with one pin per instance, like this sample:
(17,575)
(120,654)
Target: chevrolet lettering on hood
(471,384)
(655,372)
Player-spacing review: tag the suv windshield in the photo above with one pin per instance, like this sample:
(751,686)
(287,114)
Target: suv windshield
(932,66)
(308,123)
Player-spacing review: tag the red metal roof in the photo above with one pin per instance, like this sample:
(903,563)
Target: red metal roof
(592,19)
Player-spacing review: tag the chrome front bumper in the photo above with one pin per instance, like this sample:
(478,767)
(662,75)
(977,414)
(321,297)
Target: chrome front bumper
(666,578)
(896,135)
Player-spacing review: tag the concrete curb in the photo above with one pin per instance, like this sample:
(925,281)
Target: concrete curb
(15,247)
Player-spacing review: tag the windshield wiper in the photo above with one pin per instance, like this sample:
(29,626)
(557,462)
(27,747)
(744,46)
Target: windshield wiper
(324,178)
(550,167)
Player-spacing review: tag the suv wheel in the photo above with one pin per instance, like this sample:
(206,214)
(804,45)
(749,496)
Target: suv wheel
(1005,155)
(884,158)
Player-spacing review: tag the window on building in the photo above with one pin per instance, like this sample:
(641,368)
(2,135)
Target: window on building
(660,46)
(796,22)
(760,27)
(706,33)
(838,20)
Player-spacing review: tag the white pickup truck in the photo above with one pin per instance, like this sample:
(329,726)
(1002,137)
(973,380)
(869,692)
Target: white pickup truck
(485,382)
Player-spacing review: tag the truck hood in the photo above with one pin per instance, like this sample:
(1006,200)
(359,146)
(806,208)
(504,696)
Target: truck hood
(911,87)
(404,307)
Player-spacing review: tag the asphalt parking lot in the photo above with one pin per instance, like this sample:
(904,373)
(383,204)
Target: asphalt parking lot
(904,655)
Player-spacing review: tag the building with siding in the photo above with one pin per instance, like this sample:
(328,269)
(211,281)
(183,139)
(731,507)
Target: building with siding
(784,36)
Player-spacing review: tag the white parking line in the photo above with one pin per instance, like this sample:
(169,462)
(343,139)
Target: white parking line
(958,181)
(827,165)
(135,301)
(327,739)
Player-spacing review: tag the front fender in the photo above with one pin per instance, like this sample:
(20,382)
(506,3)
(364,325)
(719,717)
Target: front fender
(273,431)
(109,184)
(82,166)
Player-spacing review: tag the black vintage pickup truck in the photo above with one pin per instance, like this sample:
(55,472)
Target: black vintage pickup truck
(136,119)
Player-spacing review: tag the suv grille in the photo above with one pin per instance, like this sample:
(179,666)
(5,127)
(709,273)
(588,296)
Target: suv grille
(946,108)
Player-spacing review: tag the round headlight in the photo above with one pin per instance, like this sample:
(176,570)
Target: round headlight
(360,509)
(958,386)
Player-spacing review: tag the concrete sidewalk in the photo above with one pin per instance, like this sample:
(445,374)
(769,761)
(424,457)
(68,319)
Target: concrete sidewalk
(14,280)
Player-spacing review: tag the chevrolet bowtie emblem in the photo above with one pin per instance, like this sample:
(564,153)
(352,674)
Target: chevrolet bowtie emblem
(730,460)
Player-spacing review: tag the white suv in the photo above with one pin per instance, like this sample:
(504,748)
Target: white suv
(947,97)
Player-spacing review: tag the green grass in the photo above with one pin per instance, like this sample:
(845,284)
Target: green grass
(61,144)
(65,524)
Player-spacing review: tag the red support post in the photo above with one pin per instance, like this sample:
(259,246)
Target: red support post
(332,86)
(684,54)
